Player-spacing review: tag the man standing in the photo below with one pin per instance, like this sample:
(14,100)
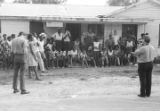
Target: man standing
(109,43)
(116,38)
(19,50)
(58,36)
(145,56)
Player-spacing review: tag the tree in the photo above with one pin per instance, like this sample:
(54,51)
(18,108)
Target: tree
(1,1)
(121,2)
(40,1)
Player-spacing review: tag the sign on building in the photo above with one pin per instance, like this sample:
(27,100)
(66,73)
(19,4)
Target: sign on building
(54,24)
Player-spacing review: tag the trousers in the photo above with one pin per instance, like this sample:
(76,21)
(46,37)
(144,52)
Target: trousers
(145,76)
(19,68)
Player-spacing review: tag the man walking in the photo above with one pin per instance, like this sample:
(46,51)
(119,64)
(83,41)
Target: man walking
(145,56)
(19,50)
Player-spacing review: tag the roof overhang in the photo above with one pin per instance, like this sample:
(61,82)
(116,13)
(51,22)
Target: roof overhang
(53,18)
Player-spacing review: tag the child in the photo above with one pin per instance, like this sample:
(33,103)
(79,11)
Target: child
(73,56)
(60,59)
(49,53)
(90,56)
(117,55)
(104,58)
(83,56)
(110,57)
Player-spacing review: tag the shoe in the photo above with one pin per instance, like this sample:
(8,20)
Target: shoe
(147,95)
(44,71)
(38,79)
(16,91)
(24,92)
(140,95)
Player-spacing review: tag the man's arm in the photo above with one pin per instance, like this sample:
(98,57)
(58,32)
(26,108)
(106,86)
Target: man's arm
(138,52)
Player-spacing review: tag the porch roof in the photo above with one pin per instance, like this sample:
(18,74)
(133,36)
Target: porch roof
(54,12)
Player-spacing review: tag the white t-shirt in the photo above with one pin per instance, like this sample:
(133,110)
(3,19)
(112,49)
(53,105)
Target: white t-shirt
(116,38)
(74,53)
(58,36)
(110,53)
(96,46)
(129,43)
(67,36)
(41,46)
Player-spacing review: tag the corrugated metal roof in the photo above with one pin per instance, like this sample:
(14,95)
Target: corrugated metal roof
(147,10)
(61,11)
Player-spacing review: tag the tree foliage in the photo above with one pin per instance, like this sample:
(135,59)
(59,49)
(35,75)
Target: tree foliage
(121,2)
(1,1)
(40,1)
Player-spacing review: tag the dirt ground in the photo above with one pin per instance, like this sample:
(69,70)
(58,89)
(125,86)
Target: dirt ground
(72,83)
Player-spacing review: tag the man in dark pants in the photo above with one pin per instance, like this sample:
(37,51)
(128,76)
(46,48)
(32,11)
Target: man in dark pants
(19,50)
(145,56)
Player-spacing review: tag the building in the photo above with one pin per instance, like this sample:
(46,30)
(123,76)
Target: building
(47,18)
(139,18)
(143,17)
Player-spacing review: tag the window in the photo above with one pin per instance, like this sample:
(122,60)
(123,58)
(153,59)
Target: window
(159,36)
(0,26)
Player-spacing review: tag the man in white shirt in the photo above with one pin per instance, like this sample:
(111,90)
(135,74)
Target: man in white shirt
(116,38)
(66,39)
(58,36)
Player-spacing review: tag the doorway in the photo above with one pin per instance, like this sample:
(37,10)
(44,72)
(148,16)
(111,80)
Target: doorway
(129,30)
(75,30)
(36,27)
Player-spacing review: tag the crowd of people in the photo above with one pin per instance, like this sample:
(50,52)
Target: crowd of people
(59,50)
(32,52)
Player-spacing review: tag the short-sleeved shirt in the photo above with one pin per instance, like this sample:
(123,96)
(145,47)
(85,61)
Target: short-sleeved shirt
(58,36)
(19,45)
(145,54)
(19,48)
(67,36)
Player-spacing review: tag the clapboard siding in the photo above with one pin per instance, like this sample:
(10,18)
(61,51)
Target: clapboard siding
(148,10)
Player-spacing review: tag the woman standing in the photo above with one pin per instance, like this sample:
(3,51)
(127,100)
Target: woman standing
(32,62)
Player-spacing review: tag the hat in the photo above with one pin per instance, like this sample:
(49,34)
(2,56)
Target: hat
(43,34)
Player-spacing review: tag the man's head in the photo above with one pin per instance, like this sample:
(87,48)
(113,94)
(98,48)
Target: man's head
(147,39)
(5,36)
(13,36)
(30,37)
(9,38)
(110,36)
(115,32)
(20,34)
(59,31)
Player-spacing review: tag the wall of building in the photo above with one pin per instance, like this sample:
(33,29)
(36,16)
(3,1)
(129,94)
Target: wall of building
(84,28)
(141,29)
(50,30)
(109,28)
(14,26)
(153,29)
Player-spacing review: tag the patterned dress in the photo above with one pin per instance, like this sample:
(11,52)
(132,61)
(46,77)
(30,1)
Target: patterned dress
(31,59)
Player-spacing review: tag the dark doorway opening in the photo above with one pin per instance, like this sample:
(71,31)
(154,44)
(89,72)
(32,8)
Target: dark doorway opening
(36,27)
(75,30)
(129,30)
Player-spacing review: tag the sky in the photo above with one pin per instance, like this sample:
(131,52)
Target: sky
(80,2)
